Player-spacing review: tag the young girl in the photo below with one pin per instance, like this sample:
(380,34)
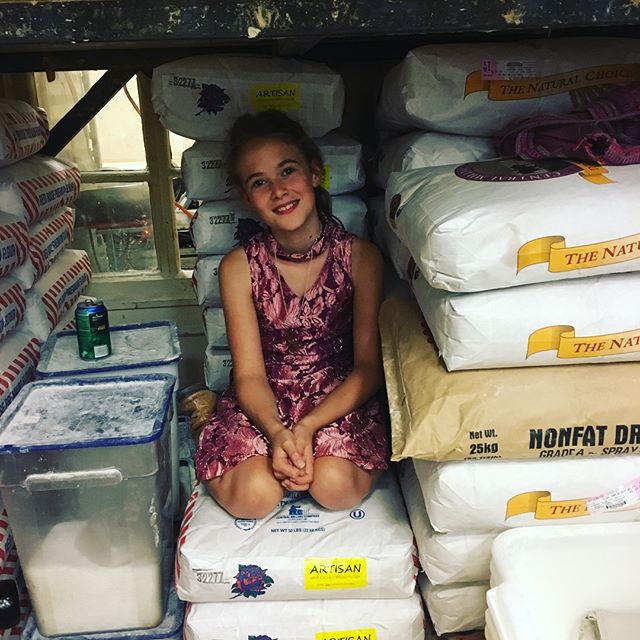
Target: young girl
(301,303)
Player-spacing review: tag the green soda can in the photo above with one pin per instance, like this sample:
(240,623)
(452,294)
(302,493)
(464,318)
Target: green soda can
(92,324)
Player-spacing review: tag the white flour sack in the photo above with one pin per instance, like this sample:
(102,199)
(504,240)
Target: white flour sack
(68,320)
(419,149)
(205,281)
(204,171)
(388,242)
(352,212)
(217,367)
(205,175)
(528,412)
(218,226)
(24,130)
(12,306)
(398,619)
(517,493)
(506,222)
(49,237)
(477,89)
(58,289)
(455,607)
(14,243)
(446,558)
(19,356)
(343,169)
(201,97)
(215,328)
(587,320)
(299,552)
(37,187)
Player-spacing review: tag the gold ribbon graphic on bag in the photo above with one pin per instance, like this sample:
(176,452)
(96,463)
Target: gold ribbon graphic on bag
(543,508)
(553,249)
(529,88)
(562,338)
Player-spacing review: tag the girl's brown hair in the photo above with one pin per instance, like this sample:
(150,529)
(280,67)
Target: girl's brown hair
(276,125)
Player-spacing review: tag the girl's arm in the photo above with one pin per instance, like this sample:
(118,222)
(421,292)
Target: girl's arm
(367,375)
(250,380)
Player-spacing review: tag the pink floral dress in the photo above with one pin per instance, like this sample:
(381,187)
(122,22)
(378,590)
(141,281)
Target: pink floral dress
(307,345)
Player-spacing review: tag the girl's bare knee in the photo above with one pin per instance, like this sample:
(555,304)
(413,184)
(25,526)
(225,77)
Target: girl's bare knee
(245,493)
(339,484)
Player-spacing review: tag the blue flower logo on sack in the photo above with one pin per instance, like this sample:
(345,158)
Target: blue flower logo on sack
(251,581)
(212,99)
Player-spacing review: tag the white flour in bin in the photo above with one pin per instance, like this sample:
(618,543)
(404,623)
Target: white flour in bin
(72,591)
(68,413)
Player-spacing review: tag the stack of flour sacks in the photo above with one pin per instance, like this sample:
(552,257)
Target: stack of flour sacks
(300,573)
(39,279)
(472,233)
(200,98)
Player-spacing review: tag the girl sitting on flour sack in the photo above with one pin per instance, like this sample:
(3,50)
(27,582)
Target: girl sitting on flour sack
(301,303)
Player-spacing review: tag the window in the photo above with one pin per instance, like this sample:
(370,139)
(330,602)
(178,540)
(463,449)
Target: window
(126,216)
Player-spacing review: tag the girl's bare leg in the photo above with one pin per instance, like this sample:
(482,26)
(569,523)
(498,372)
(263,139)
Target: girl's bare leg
(340,484)
(249,490)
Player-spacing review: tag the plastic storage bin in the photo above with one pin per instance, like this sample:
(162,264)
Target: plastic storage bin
(150,347)
(84,478)
(545,581)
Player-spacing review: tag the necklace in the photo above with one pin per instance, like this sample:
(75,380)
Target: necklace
(290,326)
(317,247)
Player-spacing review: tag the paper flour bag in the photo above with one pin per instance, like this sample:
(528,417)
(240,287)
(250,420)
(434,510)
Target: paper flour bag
(217,368)
(506,222)
(205,175)
(352,212)
(455,607)
(516,493)
(343,170)
(12,306)
(478,88)
(419,149)
(19,355)
(401,618)
(299,552)
(204,171)
(68,320)
(446,558)
(215,327)
(531,412)
(587,320)
(49,237)
(389,243)
(219,226)
(24,130)
(205,281)
(37,187)
(14,243)
(201,97)
(58,289)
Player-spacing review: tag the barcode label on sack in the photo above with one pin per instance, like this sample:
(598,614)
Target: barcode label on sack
(626,495)
(508,69)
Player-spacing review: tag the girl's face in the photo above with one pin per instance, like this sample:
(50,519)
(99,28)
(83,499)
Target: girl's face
(278,183)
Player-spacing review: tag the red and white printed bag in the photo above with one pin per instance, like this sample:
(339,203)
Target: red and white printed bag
(12,306)
(49,237)
(19,356)
(24,130)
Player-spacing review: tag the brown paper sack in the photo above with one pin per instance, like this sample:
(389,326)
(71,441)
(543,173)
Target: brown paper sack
(535,412)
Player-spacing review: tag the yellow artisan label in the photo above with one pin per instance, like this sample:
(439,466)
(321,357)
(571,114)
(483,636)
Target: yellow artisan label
(279,95)
(335,573)
(350,634)
(553,249)
(528,88)
(325,181)
(562,338)
(543,508)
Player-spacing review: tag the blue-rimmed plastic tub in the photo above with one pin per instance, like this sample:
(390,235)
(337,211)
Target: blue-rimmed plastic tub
(83,476)
(149,347)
